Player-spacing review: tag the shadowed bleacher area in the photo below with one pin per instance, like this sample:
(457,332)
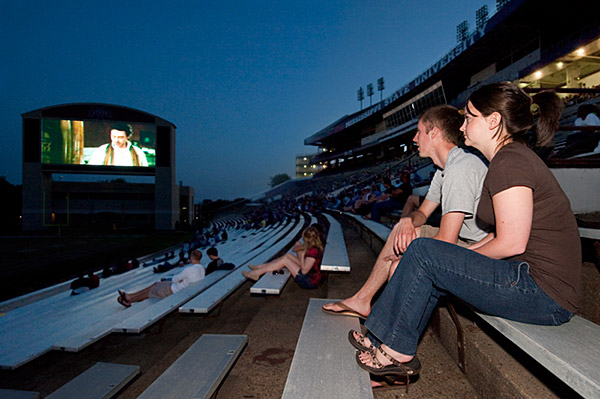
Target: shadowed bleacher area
(70,323)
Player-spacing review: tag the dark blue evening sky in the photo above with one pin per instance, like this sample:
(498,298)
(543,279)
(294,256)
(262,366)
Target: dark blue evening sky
(245,82)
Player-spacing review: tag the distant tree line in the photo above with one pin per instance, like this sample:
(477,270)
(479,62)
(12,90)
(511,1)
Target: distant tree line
(279,178)
(10,217)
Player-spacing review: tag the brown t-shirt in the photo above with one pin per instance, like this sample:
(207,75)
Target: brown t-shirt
(553,250)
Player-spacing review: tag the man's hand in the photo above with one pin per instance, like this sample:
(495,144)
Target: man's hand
(403,232)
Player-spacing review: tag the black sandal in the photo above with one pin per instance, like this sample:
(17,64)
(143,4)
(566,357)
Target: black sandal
(405,370)
(360,342)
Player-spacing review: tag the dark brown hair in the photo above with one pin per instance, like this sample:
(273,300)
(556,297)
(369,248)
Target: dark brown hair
(517,110)
(447,119)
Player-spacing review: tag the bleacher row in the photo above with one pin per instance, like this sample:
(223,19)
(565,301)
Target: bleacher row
(71,323)
(323,364)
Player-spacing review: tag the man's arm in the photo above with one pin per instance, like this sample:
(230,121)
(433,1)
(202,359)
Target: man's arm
(450,227)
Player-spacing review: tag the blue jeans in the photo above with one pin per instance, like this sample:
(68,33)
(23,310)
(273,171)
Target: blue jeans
(432,268)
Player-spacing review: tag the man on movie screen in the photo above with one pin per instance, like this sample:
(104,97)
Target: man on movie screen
(120,151)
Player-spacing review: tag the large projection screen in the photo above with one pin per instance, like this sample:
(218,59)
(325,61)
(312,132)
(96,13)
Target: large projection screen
(97,144)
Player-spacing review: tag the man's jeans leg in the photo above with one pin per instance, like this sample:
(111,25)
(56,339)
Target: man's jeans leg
(430,268)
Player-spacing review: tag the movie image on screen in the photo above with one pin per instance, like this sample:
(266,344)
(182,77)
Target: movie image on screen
(110,143)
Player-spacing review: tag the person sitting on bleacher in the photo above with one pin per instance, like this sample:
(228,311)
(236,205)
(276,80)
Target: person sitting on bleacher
(305,266)
(528,271)
(456,186)
(190,274)
(393,199)
(216,263)
(165,267)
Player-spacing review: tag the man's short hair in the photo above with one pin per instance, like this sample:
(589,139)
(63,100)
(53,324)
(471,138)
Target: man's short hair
(446,118)
(123,127)
(212,251)
(196,254)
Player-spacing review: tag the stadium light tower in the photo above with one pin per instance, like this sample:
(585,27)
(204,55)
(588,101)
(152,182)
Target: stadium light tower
(370,93)
(501,3)
(481,16)
(380,87)
(360,94)
(462,31)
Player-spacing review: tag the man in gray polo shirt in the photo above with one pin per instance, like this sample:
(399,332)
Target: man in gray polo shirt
(456,186)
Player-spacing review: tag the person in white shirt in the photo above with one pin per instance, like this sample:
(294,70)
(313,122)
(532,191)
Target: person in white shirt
(190,274)
(120,151)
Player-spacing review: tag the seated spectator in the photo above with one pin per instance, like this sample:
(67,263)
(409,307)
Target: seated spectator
(394,198)
(305,266)
(583,141)
(190,274)
(364,207)
(165,267)
(82,284)
(216,262)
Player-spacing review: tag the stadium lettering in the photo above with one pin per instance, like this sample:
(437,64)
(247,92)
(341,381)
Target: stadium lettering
(435,68)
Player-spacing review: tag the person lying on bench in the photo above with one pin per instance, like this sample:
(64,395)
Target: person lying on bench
(190,274)
(305,266)
(528,271)
(456,186)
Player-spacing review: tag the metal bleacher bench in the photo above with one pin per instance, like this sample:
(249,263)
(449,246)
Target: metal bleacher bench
(570,351)
(200,370)
(335,257)
(324,364)
(101,381)
(15,394)
(212,297)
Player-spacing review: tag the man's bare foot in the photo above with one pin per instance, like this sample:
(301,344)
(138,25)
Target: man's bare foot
(348,307)
(252,267)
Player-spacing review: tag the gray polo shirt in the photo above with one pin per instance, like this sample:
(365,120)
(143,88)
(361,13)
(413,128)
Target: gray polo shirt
(458,189)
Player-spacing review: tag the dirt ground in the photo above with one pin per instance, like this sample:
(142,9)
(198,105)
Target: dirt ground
(272,324)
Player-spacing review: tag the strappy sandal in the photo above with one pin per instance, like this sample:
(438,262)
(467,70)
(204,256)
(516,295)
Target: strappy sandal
(359,343)
(404,370)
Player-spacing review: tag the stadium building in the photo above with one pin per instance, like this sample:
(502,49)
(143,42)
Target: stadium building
(527,42)
(305,167)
